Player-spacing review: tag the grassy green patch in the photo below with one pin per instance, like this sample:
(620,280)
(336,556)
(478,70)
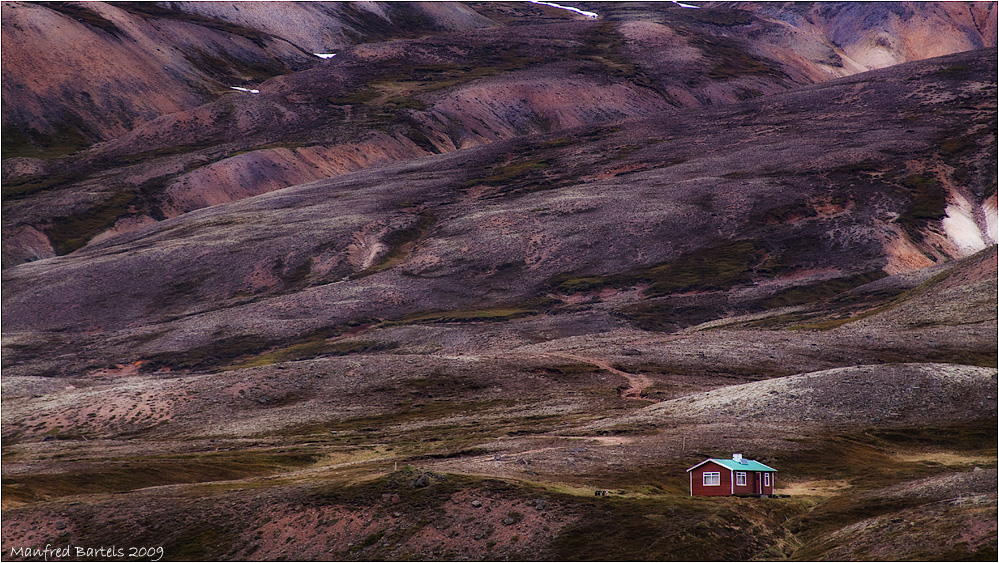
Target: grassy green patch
(381,426)
(223,351)
(30,185)
(845,307)
(583,284)
(866,461)
(929,203)
(819,291)
(154,10)
(986,356)
(465,315)
(626,428)
(135,473)
(83,14)
(673,529)
(789,212)
(356,97)
(405,102)
(499,175)
(959,146)
(71,233)
(723,17)
(400,244)
(953,70)
(386,96)
(312,349)
(146,156)
(71,135)
(716,267)
(557,142)
(603,43)
(666,317)
(568,370)
(729,60)
(204,541)
(485,314)
(857,167)
(225,67)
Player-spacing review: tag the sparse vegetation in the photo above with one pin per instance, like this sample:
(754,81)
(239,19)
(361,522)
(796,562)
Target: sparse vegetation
(31,185)
(83,14)
(929,203)
(312,349)
(953,70)
(500,175)
(134,473)
(729,60)
(71,233)
(71,135)
(602,43)
(715,267)
(400,244)
(818,291)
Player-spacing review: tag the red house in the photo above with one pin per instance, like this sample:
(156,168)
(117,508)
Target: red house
(736,476)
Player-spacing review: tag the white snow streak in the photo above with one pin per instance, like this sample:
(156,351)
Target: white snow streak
(554,5)
(325,55)
(245,90)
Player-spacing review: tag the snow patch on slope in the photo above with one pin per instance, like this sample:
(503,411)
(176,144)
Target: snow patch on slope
(961,228)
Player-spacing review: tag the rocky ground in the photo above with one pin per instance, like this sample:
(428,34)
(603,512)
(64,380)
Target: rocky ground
(423,299)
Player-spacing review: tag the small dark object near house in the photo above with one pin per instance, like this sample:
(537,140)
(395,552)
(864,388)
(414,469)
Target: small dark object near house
(730,477)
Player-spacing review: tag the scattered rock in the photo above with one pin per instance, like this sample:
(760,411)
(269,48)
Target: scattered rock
(508,521)
(478,503)
(60,525)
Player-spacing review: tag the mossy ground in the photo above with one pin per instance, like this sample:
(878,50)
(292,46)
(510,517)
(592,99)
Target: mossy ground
(127,474)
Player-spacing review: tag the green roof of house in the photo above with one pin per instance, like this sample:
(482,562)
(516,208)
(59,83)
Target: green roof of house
(746,465)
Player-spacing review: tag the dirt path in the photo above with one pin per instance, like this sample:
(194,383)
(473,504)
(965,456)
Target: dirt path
(636,382)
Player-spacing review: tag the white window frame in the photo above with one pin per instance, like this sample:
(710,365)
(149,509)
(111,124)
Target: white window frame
(740,478)
(766,479)
(716,477)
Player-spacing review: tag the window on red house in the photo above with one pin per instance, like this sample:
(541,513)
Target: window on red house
(712,478)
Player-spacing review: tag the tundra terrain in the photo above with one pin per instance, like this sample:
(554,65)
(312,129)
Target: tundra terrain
(423,298)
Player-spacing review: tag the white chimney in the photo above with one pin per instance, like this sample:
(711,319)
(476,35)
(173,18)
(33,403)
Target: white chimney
(738,458)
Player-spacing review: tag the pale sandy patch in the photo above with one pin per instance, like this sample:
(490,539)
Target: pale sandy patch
(946,458)
(820,488)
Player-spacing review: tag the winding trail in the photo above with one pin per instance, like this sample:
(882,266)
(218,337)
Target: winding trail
(636,382)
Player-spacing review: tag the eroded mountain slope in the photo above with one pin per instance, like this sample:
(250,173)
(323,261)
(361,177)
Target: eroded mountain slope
(75,73)
(543,69)
(643,206)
